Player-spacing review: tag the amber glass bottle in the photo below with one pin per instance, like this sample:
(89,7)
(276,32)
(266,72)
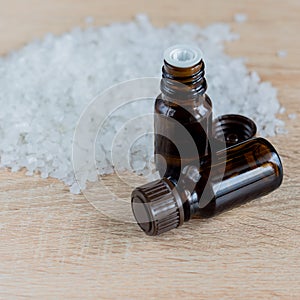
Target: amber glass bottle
(182,104)
(240,173)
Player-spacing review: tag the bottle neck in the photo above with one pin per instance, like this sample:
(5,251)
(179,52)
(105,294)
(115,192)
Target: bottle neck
(183,83)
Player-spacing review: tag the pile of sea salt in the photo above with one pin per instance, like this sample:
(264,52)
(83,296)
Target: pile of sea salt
(45,86)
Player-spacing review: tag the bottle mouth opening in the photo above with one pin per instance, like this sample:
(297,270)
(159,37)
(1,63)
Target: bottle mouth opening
(183,56)
(233,129)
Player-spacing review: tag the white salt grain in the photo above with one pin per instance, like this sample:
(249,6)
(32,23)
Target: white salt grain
(89,20)
(292,116)
(240,18)
(282,53)
(45,86)
(281,110)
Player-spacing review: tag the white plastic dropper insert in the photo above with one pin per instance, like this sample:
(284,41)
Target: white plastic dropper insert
(183,56)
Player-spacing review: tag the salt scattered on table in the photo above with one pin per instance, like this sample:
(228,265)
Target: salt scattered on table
(240,18)
(89,20)
(292,116)
(45,86)
(282,53)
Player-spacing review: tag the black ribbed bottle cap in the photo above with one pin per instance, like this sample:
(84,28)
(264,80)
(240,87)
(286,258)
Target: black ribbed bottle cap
(230,130)
(157,207)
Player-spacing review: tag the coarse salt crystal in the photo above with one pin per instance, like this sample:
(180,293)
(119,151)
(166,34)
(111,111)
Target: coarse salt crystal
(240,18)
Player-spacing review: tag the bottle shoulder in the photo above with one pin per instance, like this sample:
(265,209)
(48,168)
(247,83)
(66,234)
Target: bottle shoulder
(199,108)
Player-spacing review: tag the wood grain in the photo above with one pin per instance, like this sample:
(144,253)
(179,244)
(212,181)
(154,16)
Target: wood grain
(56,245)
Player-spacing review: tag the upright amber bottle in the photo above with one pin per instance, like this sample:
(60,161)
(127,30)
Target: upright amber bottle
(240,173)
(181,106)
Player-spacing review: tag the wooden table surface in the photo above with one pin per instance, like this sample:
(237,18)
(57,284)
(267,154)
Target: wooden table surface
(56,245)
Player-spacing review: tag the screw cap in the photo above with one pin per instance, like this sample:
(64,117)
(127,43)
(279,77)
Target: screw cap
(157,207)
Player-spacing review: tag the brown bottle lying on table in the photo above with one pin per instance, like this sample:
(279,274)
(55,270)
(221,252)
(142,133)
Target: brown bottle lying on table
(183,112)
(238,174)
